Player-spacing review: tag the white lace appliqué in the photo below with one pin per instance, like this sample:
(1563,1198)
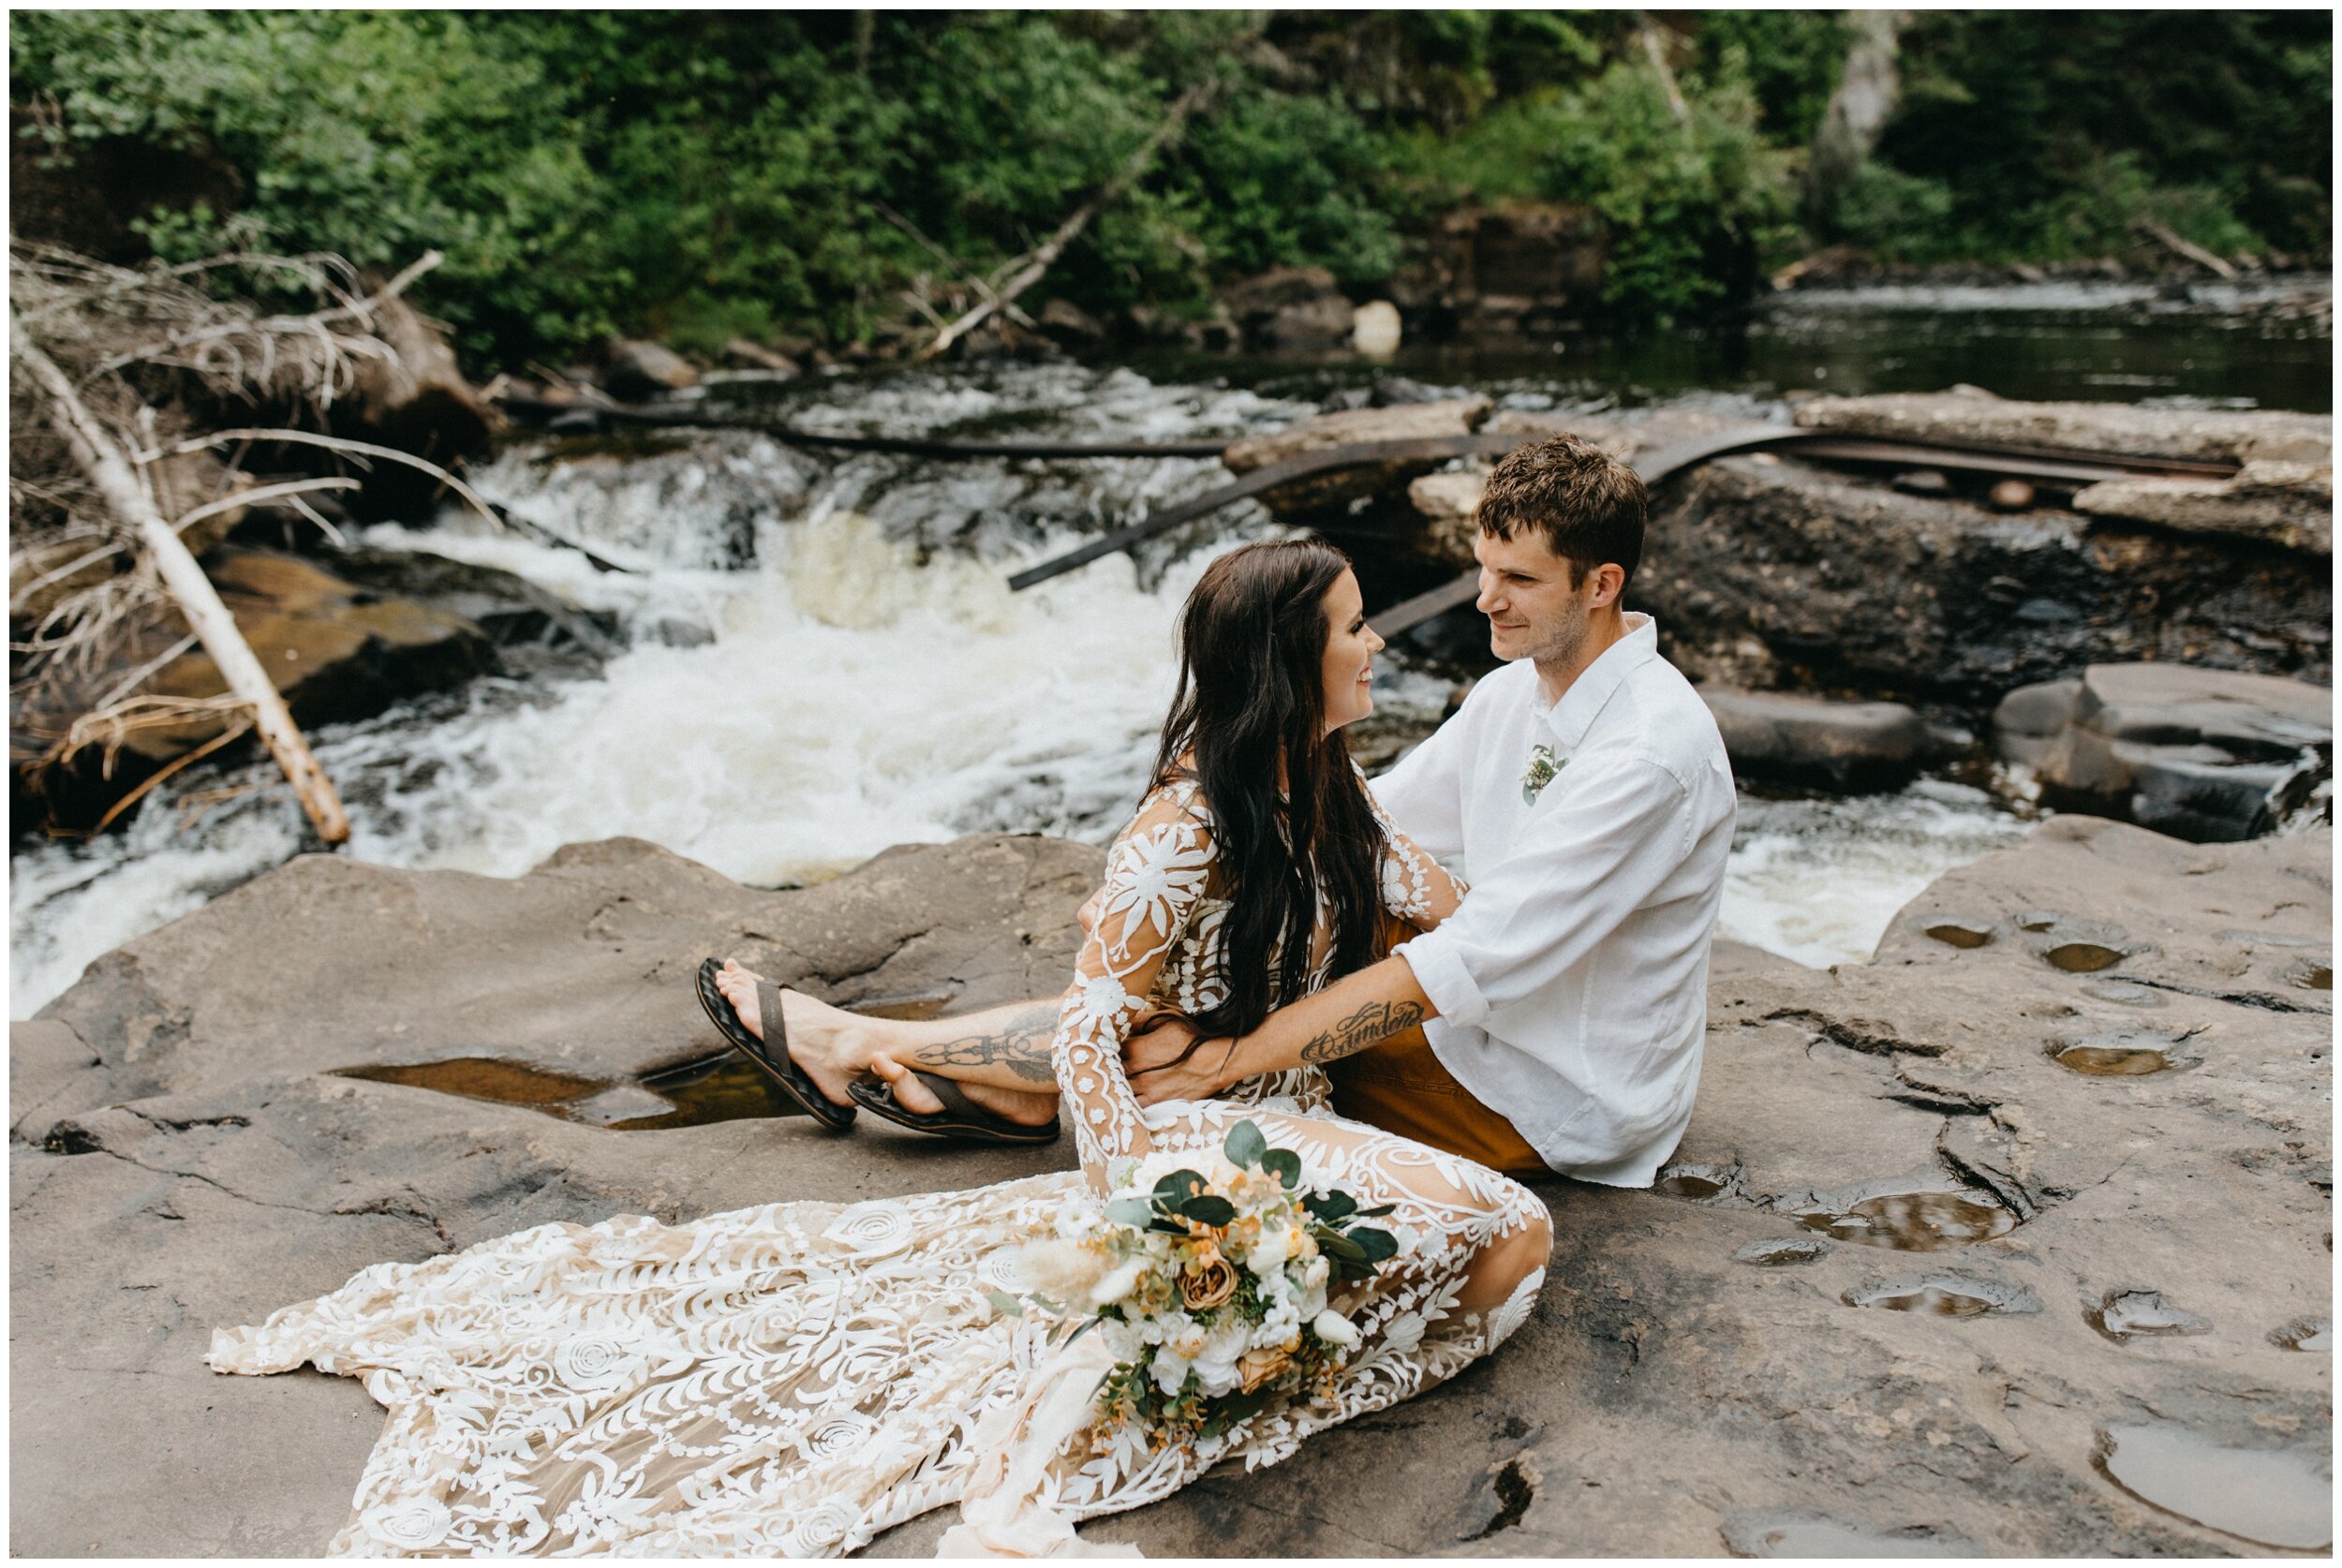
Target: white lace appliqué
(791,1380)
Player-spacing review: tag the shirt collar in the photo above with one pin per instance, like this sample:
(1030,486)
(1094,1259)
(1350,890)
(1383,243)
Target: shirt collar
(1570,718)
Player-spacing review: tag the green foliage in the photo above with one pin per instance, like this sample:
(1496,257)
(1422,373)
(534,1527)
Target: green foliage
(2053,131)
(703,174)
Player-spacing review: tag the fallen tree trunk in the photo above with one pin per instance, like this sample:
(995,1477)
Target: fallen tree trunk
(109,472)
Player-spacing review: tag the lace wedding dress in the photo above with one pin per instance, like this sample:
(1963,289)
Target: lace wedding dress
(792,1379)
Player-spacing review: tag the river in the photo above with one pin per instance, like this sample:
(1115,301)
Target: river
(823,659)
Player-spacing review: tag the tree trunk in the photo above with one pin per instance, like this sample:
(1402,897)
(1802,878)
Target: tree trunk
(1868,87)
(111,473)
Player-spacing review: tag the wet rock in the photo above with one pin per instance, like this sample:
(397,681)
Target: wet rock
(1070,324)
(1293,309)
(2289,503)
(1779,736)
(2207,435)
(1853,585)
(419,402)
(335,650)
(195,1162)
(2211,755)
(1398,422)
(636,369)
(2270,1496)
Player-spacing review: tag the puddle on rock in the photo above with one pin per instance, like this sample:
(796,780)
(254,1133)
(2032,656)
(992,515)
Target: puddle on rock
(1697,1182)
(2083,958)
(490,1078)
(1955,934)
(2128,1313)
(725,1088)
(1913,1221)
(2122,1052)
(2313,977)
(1783,1251)
(728,1087)
(2272,1496)
(2305,1334)
(1946,1295)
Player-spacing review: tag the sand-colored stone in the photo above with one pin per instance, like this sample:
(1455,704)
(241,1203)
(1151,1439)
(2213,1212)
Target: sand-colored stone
(1665,1398)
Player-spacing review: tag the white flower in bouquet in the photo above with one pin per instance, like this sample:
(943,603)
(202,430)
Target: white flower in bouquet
(1335,1329)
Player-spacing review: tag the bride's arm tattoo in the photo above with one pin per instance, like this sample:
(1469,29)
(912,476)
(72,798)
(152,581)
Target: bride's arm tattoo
(1374,1022)
(1022,1047)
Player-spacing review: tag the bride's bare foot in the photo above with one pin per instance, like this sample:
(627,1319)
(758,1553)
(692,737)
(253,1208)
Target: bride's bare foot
(1025,1110)
(831,1044)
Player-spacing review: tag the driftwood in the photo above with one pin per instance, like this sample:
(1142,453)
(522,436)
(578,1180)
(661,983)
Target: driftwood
(1028,269)
(2178,246)
(110,473)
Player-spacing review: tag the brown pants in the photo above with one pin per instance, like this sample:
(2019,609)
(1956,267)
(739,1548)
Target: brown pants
(1399,1087)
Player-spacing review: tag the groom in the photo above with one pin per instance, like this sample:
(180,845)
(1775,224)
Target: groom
(1556,1018)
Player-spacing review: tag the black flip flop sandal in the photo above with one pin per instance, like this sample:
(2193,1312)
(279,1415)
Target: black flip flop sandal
(960,1117)
(777,1065)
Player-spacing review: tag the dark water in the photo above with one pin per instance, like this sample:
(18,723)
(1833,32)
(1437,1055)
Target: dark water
(2205,345)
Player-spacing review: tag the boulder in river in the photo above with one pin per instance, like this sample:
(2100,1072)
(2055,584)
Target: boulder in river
(2211,755)
(340,644)
(1781,737)
(637,369)
(1858,1308)
(1293,309)
(2285,503)
(1852,583)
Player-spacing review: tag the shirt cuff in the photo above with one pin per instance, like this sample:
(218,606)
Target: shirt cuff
(1440,971)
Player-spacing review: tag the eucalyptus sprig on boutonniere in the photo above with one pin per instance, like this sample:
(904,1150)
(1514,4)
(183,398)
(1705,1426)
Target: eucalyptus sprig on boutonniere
(1543,766)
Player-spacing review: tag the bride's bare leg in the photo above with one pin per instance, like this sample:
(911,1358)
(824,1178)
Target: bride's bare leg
(1001,1055)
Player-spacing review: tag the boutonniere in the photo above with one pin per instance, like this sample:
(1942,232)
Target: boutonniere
(1542,768)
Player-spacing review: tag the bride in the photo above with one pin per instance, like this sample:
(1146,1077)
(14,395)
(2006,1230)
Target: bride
(794,1378)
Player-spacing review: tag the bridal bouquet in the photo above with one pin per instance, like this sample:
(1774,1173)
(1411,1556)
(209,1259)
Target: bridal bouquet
(1209,1287)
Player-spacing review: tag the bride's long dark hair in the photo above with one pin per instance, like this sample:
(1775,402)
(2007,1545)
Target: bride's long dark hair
(1252,694)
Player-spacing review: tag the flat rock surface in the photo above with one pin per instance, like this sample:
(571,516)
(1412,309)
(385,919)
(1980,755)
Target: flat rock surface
(1696,1379)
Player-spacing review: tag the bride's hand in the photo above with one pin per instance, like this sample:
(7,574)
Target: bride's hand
(1168,1058)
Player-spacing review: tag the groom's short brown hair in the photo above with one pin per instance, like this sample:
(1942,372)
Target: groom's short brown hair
(1589,507)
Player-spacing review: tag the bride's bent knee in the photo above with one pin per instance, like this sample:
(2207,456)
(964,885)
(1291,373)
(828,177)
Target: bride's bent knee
(1507,1258)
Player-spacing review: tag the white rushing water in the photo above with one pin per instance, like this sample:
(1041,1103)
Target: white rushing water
(826,660)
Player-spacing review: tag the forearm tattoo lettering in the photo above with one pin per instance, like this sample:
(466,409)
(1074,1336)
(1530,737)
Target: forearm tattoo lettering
(1023,1047)
(1371,1024)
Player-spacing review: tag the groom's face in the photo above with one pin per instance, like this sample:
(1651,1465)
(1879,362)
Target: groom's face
(1525,592)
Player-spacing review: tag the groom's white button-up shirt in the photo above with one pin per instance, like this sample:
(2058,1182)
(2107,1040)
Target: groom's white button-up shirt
(1572,984)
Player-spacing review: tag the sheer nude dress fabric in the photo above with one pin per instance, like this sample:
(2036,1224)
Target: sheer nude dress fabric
(792,1379)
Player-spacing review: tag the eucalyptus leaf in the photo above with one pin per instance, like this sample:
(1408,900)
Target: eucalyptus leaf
(1379,1244)
(1131,1211)
(1004,1303)
(1377,1211)
(1245,1145)
(1177,1187)
(1209,1208)
(1335,1246)
(1285,1164)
